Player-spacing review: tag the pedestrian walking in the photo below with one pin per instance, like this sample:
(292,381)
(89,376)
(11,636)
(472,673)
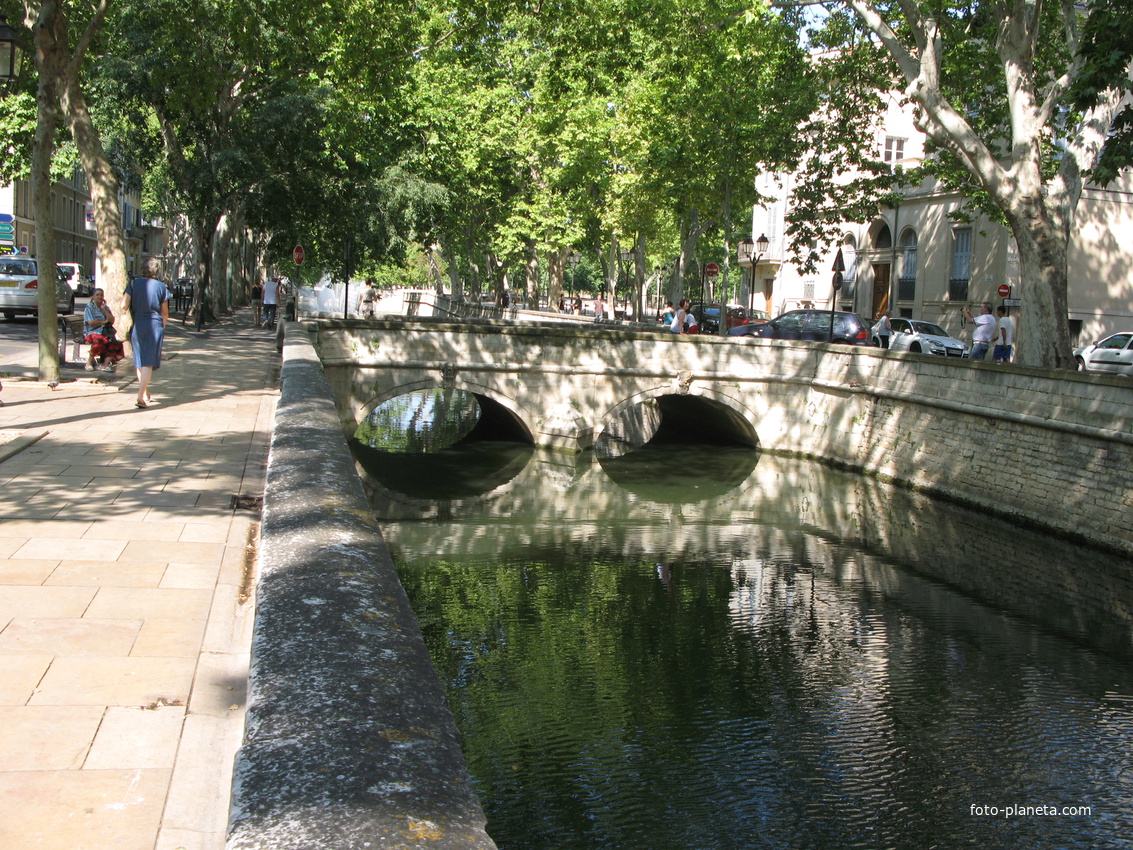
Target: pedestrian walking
(147,299)
(257,303)
(599,308)
(271,301)
(1004,336)
(368,300)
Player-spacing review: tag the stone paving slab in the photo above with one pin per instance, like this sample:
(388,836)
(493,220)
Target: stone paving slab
(124,634)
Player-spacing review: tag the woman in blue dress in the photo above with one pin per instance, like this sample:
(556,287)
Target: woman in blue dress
(147,299)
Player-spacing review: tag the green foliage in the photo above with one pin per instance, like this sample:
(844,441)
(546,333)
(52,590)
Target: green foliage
(17,133)
(1106,54)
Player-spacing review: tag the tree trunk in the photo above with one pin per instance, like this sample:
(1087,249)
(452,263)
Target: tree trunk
(1042,333)
(104,202)
(556,262)
(612,275)
(531,276)
(639,288)
(50,41)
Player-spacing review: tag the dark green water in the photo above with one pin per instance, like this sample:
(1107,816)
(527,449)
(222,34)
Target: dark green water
(698,647)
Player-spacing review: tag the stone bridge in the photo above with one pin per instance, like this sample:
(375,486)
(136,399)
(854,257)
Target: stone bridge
(1050,449)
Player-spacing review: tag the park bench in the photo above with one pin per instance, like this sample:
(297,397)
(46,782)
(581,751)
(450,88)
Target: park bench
(71,333)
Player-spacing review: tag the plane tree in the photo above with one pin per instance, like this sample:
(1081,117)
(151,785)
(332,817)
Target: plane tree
(992,84)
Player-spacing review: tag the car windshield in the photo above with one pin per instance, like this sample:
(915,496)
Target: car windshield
(930,328)
(67,272)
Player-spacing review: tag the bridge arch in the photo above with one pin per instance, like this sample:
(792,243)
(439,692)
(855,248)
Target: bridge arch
(680,414)
(501,417)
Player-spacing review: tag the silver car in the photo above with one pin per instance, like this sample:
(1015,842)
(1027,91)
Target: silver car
(923,338)
(1113,354)
(19,288)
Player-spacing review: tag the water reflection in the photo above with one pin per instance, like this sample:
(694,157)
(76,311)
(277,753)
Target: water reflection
(806,659)
(421,421)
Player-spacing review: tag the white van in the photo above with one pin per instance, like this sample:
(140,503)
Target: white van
(76,278)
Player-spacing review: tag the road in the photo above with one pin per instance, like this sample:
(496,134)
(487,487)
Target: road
(19,343)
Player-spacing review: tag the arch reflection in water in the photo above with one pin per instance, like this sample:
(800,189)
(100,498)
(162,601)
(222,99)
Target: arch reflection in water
(681,473)
(439,443)
(420,421)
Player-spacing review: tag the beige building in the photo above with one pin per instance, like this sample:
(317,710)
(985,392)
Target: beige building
(75,237)
(915,261)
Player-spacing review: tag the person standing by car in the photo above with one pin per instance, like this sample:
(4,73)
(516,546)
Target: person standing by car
(883,329)
(984,332)
(1004,336)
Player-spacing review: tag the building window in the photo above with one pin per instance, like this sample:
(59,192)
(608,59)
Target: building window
(907,282)
(961,264)
(894,149)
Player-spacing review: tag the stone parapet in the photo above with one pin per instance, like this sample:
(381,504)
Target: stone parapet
(349,742)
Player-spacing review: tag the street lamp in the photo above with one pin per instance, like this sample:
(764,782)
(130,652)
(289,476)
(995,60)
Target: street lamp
(9,52)
(747,252)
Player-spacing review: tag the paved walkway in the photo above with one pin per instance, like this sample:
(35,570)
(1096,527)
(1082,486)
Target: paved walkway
(124,569)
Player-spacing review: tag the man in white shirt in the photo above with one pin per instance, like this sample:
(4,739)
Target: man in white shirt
(271,301)
(984,332)
(1004,336)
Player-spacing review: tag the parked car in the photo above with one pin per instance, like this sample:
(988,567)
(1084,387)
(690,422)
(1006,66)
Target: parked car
(815,325)
(1113,354)
(708,315)
(755,320)
(76,278)
(19,288)
(922,338)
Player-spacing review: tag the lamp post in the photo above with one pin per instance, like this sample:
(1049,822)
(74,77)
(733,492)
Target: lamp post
(9,52)
(747,251)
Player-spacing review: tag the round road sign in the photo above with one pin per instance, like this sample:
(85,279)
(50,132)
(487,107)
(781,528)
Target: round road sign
(1004,290)
(712,270)
(297,255)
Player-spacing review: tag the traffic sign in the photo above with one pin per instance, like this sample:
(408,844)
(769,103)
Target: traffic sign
(1004,290)
(7,230)
(1012,302)
(712,270)
(7,217)
(298,255)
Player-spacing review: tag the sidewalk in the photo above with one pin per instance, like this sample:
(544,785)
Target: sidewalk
(124,626)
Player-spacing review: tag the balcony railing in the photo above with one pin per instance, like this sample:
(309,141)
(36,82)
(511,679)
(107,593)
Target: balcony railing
(958,289)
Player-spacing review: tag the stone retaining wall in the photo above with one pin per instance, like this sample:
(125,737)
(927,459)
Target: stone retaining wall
(349,742)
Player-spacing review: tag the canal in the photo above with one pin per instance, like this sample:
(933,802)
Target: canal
(697,646)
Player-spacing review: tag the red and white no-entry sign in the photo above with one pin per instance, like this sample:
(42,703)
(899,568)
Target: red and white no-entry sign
(1004,290)
(712,270)
(297,255)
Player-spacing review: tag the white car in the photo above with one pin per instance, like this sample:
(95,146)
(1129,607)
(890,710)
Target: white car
(76,279)
(922,338)
(19,288)
(1113,354)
